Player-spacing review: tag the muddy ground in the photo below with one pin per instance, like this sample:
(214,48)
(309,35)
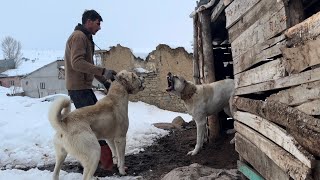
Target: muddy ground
(170,152)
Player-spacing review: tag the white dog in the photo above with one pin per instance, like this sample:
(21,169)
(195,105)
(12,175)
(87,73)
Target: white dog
(202,101)
(77,132)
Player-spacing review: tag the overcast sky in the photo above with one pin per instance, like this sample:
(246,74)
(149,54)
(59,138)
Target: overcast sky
(138,24)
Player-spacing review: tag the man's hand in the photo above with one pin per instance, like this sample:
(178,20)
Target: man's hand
(109,74)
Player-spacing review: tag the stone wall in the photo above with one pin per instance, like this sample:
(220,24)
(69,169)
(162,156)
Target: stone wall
(158,63)
(158,97)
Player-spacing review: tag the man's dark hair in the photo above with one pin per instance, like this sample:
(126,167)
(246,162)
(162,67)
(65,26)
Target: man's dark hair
(90,14)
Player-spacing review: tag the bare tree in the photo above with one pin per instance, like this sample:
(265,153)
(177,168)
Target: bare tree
(11,49)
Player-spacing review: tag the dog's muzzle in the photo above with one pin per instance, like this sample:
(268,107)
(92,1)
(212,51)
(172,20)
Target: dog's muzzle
(170,82)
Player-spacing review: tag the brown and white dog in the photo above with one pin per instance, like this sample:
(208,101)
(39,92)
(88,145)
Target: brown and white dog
(77,132)
(202,101)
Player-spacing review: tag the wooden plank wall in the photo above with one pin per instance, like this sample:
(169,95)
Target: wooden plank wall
(274,55)
(298,55)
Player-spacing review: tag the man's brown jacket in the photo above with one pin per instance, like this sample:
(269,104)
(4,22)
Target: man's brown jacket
(79,66)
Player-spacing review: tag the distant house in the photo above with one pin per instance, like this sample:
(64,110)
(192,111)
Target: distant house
(5,80)
(6,64)
(9,81)
(47,80)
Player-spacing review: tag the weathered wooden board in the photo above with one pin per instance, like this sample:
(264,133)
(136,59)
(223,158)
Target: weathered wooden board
(302,57)
(217,10)
(248,171)
(227,2)
(269,52)
(311,108)
(237,9)
(268,26)
(297,95)
(259,53)
(277,135)
(268,71)
(279,156)
(308,29)
(259,160)
(288,81)
(304,128)
(253,15)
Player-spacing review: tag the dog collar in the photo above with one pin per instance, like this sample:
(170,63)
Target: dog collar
(188,91)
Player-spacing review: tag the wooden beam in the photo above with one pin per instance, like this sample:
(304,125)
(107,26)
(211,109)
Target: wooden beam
(248,171)
(259,160)
(196,71)
(279,113)
(304,128)
(237,9)
(201,58)
(217,10)
(288,81)
(207,46)
(279,156)
(308,29)
(267,27)
(277,135)
(213,120)
(268,71)
(301,57)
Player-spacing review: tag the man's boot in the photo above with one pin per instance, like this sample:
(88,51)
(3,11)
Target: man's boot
(106,161)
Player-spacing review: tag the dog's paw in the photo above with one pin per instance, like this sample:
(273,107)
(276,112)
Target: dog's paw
(122,171)
(192,153)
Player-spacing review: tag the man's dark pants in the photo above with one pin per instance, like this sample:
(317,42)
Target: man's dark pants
(82,98)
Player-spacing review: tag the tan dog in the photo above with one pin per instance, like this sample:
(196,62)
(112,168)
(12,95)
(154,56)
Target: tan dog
(202,101)
(77,132)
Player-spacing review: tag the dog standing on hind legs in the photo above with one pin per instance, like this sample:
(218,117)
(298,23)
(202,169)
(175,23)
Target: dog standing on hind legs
(78,132)
(202,101)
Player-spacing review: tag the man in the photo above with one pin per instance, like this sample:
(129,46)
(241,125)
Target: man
(80,71)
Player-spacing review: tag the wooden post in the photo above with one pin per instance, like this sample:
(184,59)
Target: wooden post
(196,71)
(200,47)
(205,20)
(207,46)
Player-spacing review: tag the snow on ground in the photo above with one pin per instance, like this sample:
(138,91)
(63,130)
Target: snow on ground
(26,134)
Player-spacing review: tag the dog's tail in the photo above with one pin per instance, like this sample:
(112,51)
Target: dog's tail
(59,109)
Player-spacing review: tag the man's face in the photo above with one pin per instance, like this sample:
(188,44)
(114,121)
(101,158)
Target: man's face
(93,26)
